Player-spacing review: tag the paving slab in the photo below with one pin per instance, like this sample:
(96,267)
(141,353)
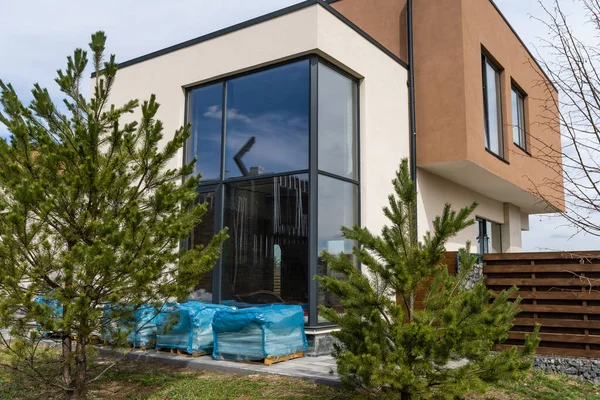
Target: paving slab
(314,369)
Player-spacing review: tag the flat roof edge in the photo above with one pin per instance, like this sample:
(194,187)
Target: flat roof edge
(522,43)
(256,21)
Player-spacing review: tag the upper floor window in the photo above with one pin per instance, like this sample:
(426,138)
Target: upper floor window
(518,118)
(492,101)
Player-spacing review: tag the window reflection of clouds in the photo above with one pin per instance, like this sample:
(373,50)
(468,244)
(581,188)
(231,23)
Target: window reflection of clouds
(273,107)
(205,141)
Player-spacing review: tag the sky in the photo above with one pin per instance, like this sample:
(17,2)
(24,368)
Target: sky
(37,35)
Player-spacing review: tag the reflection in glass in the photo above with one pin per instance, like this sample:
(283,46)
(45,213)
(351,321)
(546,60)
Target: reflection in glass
(202,235)
(518,118)
(206,116)
(265,260)
(267,121)
(493,137)
(337,131)
(338,206)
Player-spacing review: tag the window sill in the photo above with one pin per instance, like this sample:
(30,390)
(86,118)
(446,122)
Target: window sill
(522,149)
(497,156)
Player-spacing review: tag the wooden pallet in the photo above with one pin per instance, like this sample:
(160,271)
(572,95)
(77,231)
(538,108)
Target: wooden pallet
(270,360)
(180,352)
(143,348)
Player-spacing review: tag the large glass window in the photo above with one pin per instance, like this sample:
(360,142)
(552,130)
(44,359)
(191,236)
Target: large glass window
(492,101)
(518,118)
(337,120)
(206,116)
(265,259)
(267,121)
(262,122)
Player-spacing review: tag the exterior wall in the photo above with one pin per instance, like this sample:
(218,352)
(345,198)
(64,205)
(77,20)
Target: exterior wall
(511,230)
(383,91)
(434,192)
(448,38)
(440,96)
(484,26)
(384,20)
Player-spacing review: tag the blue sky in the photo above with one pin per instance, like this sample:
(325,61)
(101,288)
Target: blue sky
(37,35)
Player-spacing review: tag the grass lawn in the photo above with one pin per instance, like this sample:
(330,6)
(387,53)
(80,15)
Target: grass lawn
(132,380)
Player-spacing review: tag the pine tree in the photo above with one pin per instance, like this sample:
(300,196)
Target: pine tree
(441,350)
(90,215)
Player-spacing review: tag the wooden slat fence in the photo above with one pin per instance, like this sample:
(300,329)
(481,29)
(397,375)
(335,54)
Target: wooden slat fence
(560,291)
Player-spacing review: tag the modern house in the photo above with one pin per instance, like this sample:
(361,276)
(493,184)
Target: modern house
(301,117)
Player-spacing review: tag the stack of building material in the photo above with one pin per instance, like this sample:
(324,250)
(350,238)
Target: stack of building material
(253,334)
(187,327)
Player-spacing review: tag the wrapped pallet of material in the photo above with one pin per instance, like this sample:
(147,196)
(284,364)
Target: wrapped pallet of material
(115,324)
(252,334)
(144,332)
(187,327)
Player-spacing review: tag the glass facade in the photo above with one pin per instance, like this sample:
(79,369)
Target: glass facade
(265,259)
(286,185)
(492,101)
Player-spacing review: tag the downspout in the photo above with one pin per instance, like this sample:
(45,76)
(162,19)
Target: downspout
(411,93)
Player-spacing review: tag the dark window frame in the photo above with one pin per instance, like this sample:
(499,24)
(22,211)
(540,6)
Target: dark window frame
(486,61)
(521,124)
(312,171)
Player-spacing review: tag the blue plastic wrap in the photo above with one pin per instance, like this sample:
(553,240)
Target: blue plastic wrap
(55,307)
(255,333)
(113,327)
(141,328)
(187,327)
(144,333)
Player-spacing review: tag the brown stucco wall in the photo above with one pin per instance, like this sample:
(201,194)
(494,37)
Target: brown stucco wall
(439,81)
(384,20)
(484,26)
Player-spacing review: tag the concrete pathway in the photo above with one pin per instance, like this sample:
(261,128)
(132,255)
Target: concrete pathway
(316,369)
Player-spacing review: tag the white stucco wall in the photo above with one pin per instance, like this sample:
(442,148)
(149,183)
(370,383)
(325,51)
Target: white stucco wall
(435,192)
(384,126)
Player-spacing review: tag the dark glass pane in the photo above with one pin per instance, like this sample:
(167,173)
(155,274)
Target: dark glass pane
(267,121)
(338,206)
(337,130)
(206,117)
(265,260)
(202,235)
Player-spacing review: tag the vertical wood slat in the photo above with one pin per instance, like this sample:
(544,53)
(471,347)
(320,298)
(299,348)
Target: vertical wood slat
(571,321)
